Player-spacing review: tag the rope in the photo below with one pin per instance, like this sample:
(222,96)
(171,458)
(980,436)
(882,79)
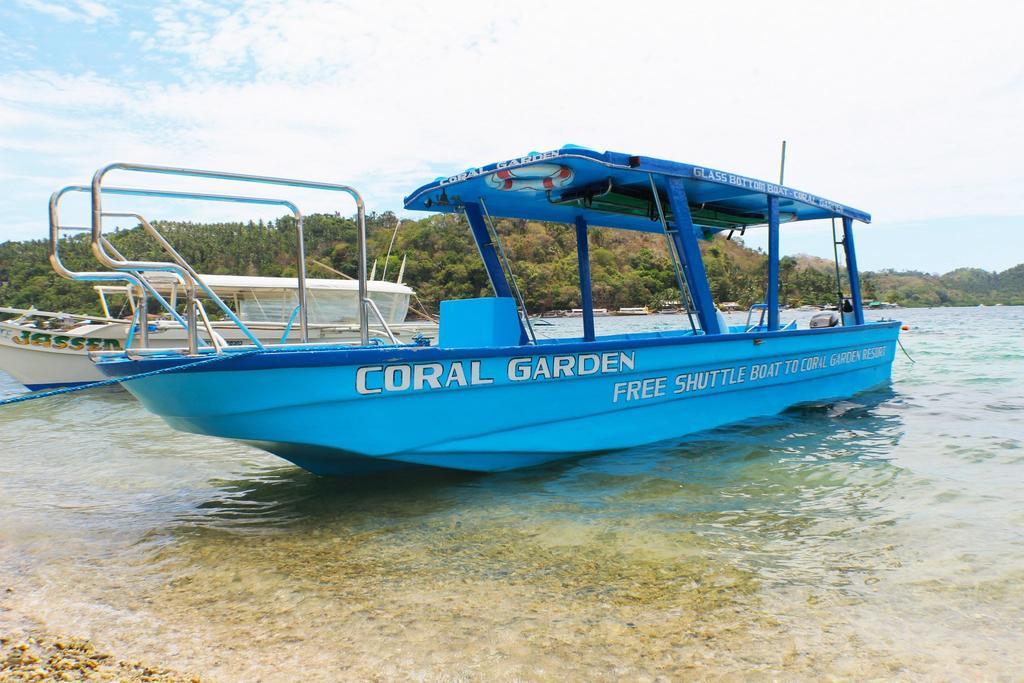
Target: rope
(423,309)
(900,342)
(107,382)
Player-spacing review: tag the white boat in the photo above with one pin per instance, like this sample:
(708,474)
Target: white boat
(43,349)
(633,310)
(578,312)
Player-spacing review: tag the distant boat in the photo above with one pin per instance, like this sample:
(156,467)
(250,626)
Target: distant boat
(43,349)
(633,310)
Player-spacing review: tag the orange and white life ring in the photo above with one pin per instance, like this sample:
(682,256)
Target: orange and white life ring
(535,177)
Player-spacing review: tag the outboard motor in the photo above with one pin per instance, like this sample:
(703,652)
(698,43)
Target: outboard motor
(824,319)
(848,317)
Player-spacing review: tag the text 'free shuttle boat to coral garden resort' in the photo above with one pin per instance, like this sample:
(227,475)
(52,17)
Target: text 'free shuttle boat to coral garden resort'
(490,395)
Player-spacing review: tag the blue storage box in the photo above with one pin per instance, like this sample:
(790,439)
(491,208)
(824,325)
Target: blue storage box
(493,321)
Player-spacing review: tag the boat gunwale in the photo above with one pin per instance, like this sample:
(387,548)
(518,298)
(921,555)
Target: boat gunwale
(321,355)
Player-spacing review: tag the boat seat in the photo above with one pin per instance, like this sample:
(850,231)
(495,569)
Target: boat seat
(489,321)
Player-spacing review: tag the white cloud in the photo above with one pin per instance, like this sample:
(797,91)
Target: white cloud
(71,10)
(904,109)
(875,96)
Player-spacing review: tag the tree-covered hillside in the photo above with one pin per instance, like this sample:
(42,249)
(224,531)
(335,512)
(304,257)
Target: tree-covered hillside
(629,269)
(960,287)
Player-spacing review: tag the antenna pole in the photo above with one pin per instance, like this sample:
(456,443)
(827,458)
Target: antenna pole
(782,165)
(388,257)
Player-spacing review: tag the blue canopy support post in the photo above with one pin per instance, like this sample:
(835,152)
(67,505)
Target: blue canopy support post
(772,300)
(489,254)
(851,268)
(586,295)
(685,238)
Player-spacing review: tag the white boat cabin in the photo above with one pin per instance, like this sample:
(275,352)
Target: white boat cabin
(274,299)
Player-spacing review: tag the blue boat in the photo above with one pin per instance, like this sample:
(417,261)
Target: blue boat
(490,395)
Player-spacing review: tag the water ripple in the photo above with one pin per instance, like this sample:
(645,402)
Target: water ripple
(876,537)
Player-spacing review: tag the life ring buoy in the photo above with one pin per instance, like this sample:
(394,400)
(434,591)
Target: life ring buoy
(535,177)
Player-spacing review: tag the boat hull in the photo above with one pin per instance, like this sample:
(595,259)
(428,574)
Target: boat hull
(44,358)
(38,369)
(343,411)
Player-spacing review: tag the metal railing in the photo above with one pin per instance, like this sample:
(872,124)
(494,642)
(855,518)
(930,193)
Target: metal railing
(677,259)
(133,271)
(180,268)
(762,310)
(513,282)
(93,276)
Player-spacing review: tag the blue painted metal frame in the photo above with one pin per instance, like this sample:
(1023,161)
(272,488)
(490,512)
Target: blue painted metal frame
(685,238)
(772,299)
(488,251)
(685,182)
(851,267)
(489,254)
(712,186)
(586,295)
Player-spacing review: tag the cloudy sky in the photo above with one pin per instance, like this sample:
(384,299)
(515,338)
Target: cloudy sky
(912,111)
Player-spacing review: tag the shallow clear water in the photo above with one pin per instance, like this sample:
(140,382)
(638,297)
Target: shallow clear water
(881,536)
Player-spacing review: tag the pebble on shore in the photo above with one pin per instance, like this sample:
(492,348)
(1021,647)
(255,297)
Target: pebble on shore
(33,656)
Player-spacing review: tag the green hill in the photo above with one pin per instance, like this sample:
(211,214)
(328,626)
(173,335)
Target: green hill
(629,269)
(960,287)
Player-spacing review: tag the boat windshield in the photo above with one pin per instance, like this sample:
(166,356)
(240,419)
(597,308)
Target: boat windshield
(325,306)
(276,304)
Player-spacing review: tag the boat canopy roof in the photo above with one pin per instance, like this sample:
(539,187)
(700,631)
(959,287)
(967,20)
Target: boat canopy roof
(612,189)
(236,284)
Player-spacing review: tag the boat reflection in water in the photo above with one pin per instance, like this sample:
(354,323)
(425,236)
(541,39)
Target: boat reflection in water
(671,473)
(491,395)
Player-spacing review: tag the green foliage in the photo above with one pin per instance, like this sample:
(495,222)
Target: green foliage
(961,287)
(628,268)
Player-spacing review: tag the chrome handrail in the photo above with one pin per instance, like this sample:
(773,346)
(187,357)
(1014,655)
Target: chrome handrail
(181,268)
(190,276)
(131,272)
(187,272)
(373,305)
(90,276)
(97,222)
(763,308)
(217,340)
